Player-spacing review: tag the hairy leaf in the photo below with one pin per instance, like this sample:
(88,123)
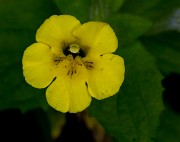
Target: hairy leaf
(133,114)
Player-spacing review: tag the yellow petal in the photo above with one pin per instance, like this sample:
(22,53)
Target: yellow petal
(96,37)
(69,93)
(106,76)
(38,65)
(57,30)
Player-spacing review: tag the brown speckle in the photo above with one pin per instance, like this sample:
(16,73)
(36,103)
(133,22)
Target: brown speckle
(71,73)
(68,72)
(86,84)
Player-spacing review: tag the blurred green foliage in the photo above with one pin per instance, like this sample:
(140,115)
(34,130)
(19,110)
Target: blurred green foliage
(128,27)
(149,41)
(165,46)
(134,112)
(19,20)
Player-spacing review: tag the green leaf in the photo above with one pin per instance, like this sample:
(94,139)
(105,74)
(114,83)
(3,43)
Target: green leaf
(22,14)
(129,27)
(100,10)
(138,6)
(84,10)
(153,9)
(19,21)
(116,5)
(133,114)
(77,8)
(169,129)
(165,47)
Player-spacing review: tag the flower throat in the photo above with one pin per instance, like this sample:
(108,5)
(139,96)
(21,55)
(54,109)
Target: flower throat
(74,50)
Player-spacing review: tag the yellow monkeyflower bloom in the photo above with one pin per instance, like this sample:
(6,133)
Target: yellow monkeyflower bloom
(75,61)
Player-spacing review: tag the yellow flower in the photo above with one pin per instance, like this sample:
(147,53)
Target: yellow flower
(74,61)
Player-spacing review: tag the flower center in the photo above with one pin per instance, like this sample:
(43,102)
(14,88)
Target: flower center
(74,50)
